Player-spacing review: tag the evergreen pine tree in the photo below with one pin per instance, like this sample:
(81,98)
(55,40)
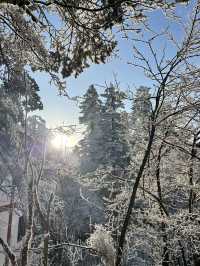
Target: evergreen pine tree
(141,107)
(139,122)
(114,140)
(17,94)
(89,145)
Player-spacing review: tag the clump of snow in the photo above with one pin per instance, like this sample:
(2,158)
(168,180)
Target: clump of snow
(102,242)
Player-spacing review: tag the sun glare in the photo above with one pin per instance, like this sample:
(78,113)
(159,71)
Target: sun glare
(72,141)
(61,141)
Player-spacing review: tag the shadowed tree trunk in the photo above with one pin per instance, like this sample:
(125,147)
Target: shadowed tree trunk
(10,218)
(133,197)
(29,228)
(8,251)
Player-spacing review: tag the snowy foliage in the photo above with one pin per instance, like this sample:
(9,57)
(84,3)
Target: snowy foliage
(102,242)
(139,168)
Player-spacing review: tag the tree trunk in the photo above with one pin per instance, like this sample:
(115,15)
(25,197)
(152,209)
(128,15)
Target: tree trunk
(133,197)
(29,229)
(8,251)
(10,218)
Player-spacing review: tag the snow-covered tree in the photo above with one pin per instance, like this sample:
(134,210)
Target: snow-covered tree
(82,36)
(114,140)
(139,124)
(90,108)
(141,107)
(89,146)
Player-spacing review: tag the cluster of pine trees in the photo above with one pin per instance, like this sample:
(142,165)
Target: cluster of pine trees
(108,140)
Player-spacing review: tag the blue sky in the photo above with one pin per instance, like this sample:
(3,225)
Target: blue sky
(59,109)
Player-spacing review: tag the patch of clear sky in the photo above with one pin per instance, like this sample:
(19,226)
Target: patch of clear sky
(60,109)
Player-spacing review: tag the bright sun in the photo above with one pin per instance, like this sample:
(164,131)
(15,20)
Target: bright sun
(61,141)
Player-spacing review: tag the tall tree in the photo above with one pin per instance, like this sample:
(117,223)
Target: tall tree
(139,122)
(141,107)
(90,116)
(18,94)
(174,78)
(114,140)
